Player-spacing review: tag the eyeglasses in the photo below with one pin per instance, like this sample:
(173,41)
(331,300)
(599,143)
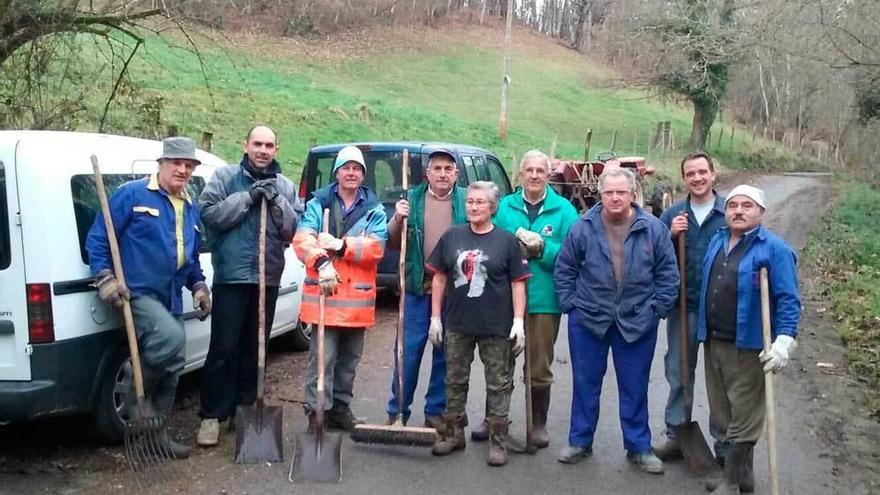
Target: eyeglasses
(476,202)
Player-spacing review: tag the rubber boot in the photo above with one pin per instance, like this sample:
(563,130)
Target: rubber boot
(497,455)
(747,478)
(340,417)
(451,435)
(733,470)
(540,406)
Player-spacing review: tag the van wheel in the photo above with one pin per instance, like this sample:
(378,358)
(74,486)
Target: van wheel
(109,414)
(300,338)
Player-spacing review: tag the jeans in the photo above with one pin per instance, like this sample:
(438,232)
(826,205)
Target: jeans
(416,320)
(343,348)
(161,343)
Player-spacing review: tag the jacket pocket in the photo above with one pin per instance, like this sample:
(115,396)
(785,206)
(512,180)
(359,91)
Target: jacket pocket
(146,209)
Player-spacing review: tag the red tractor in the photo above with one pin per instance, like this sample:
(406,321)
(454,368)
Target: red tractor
(578,181)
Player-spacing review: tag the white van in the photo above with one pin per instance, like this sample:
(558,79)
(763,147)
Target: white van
(62,350)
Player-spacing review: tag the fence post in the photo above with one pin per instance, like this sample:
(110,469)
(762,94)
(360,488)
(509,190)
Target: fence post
(207,141)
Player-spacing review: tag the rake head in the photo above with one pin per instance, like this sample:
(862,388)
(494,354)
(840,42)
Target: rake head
(146,447)
(395,434)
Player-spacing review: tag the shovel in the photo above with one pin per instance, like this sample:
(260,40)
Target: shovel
(689,435)
(514,444)
(145,431)
(258,427)
(318,454)
(768,385)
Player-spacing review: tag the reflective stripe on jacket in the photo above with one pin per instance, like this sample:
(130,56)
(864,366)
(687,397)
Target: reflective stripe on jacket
(354,304)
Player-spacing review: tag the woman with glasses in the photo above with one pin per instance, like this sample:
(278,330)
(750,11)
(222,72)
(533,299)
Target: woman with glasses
(479,286)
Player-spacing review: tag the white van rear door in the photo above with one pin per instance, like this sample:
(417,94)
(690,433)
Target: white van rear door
(15,364)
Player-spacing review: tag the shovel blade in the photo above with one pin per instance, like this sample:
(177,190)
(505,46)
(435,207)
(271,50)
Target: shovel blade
(258,434)
(695,449)
(317,458)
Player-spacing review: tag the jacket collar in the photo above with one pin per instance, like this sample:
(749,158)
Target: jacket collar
(153,185)
(272,170)
(639,222)
(551,198)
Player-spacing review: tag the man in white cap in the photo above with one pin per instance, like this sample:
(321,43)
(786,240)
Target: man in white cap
(729,325)
(157,226)
(342,265)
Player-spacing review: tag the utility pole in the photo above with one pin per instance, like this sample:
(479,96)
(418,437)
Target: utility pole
(505,83)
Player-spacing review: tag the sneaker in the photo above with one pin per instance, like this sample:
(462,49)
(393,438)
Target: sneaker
(572,455)
(209,433)
(646,461)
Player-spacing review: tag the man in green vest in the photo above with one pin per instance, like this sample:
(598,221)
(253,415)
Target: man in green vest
(540,219)
(432,207)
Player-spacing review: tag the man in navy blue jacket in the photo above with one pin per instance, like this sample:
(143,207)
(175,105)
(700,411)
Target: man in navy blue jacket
(157,226)
(616,276)
(729,325)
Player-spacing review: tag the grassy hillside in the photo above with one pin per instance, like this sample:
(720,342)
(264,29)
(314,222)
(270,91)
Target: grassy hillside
(392,84)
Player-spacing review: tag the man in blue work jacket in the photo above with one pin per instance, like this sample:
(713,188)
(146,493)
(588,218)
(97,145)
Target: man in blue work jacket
(729,325)
(697,217)
(616,277)
(157,227)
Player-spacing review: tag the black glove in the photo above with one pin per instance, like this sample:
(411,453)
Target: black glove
(277,215)
(264,188)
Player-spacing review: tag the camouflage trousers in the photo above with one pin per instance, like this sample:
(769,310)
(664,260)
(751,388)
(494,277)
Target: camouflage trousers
(495,354)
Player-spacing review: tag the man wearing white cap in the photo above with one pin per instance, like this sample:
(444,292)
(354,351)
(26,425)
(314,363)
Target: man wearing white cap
(729,325)
(342,265)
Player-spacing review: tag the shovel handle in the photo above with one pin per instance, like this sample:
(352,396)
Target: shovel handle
(261,308)
(768,385)
(322,301)
(401,274)
(527,358)
(684,348)
(120,276)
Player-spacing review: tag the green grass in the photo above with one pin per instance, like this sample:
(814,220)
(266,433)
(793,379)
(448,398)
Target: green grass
(845,249)
(450,95)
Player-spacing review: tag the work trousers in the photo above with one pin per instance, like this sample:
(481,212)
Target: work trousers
(541,332)
(343,348)
(416,320)
(735,386)
(161,344)
(632,365)
(495,354)
(229,377)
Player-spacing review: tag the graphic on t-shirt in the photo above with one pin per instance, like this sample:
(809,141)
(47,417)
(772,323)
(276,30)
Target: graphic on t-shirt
(469,269)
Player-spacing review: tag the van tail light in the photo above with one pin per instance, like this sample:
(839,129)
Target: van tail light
(41,328)
(302,190)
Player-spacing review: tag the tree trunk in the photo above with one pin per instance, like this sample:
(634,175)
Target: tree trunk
(705,110)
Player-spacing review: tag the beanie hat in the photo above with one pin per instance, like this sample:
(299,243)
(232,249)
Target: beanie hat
(349,154)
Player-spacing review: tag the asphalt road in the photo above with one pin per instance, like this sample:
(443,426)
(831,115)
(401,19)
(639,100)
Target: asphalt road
(809,463)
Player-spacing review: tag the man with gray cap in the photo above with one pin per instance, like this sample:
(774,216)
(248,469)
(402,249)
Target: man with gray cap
(729,325)
(341,264)
(230,207)
(157,227)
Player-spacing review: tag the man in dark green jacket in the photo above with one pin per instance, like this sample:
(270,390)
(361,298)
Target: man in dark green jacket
(230,207)
(433,206)
(540,219)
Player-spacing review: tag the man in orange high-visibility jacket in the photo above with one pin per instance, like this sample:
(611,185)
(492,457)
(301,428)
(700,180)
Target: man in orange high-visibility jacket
(341,264)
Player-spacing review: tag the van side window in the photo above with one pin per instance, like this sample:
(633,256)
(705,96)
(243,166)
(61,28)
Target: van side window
(86,207)
(470,169)
(498,175)
(385,182)
(5,247)
(323,172)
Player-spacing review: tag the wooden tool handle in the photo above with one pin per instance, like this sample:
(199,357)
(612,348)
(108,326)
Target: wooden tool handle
(401,276)
(684,348)
(322,300)
(768,385)
(261,309)
(120,277)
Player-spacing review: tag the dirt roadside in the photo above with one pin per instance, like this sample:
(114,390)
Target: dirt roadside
(829,441)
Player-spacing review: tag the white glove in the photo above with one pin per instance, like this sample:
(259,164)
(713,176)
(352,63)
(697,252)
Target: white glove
(780,353)
(329,243)
(435,331)
(518,336)
(328,279)
(532,240)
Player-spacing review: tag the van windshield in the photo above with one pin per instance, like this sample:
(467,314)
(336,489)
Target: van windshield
(383,173)
(86,207)
(5,248)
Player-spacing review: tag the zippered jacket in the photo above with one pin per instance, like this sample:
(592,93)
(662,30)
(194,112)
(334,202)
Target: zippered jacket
(364,234)
(553,223)
(145,225)
(585,276)
(766,250)
(233,224)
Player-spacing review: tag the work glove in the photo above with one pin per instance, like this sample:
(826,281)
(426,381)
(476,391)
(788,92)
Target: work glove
(328,279)
(110,290)
(435,331)
(329,243)
(780,353)
(202,299)
(531,242)
(263,188)
(518,336)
